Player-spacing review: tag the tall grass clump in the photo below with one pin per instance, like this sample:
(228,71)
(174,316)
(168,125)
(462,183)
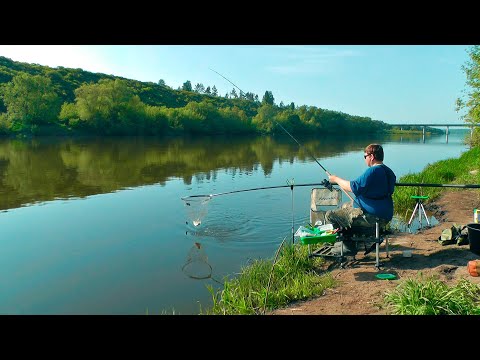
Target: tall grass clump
(264,285)
(464,170)
(431,296)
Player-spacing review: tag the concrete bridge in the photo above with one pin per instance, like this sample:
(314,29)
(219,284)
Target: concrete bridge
(447,126)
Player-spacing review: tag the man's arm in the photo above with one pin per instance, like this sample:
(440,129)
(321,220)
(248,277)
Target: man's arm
(344,184)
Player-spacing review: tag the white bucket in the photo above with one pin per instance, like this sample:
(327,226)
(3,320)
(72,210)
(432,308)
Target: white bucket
(407,253)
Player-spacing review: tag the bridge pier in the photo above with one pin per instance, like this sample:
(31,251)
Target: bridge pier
(471,126)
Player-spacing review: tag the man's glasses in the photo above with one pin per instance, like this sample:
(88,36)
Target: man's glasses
(365,156)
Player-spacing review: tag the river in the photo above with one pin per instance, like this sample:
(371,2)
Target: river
(97,225)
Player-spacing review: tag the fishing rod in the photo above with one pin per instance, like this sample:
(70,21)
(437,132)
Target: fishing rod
(465,186)
(329,186)
(300,145)
(324,183)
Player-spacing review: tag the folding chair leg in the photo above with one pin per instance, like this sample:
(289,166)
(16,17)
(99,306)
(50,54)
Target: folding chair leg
(386,246)
(377,245)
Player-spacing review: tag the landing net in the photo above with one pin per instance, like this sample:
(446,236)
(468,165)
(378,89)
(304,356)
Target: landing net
(196,208)
(196,265)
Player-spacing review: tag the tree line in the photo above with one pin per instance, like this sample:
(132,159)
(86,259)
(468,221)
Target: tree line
(38,100)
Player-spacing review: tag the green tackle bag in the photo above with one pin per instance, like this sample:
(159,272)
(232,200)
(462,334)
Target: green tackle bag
(455,234)
(448,236)
(462,238)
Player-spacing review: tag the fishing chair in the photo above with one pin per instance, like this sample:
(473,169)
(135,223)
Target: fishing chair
(371,237)
(321,198)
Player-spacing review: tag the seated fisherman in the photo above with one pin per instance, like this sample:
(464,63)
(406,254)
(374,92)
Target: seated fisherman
(373,190)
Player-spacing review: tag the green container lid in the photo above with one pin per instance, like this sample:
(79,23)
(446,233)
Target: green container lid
(386,276)
(308,240)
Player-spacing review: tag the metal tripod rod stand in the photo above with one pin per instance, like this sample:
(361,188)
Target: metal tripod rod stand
(419,207)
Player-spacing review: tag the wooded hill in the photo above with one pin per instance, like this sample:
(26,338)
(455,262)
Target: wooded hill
(40,100)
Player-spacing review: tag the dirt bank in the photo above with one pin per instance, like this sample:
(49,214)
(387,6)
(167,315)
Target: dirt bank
(361,293)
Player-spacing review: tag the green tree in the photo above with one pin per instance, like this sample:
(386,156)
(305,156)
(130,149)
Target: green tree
(68,112)
(31,100)
(268,98)
(470,102)
(109,105)
(250,96)
(264,120)
(200,88)
(214,91)
(187,85)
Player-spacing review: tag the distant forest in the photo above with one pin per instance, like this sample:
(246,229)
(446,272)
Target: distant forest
(40,100)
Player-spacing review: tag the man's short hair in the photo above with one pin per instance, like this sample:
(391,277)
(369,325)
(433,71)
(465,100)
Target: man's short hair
(376,150)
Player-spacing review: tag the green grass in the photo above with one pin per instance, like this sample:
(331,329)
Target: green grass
(449,171)
(431,296)
(266,285)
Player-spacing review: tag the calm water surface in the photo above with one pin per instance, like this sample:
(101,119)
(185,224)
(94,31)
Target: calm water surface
(97,226)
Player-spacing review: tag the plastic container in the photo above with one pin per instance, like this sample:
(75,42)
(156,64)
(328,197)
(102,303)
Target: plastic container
(306,231)
(326,238)
(324,227)
(475,216)
(473,267)
(407,253)
(386,276)
(474,238)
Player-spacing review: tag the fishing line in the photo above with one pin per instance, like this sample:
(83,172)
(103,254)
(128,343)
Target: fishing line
(300,145)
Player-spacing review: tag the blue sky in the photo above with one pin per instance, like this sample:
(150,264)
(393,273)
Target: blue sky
(391,83)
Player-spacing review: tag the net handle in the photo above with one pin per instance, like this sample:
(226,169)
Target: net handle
(186,198)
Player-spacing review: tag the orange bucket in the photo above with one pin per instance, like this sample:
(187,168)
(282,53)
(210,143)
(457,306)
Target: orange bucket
(473,267)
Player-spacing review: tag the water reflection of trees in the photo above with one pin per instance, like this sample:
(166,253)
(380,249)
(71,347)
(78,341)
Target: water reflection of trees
(47,169)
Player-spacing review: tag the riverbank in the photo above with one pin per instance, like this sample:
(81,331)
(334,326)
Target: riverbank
(359,291)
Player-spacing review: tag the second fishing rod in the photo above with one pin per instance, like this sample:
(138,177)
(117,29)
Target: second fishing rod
(286,131)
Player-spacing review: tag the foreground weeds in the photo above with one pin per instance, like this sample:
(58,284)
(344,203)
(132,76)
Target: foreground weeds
(433,297)
(265,285)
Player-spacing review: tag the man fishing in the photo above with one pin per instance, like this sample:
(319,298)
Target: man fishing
(373,190)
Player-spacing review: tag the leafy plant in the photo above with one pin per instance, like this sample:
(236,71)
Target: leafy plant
(431,296)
